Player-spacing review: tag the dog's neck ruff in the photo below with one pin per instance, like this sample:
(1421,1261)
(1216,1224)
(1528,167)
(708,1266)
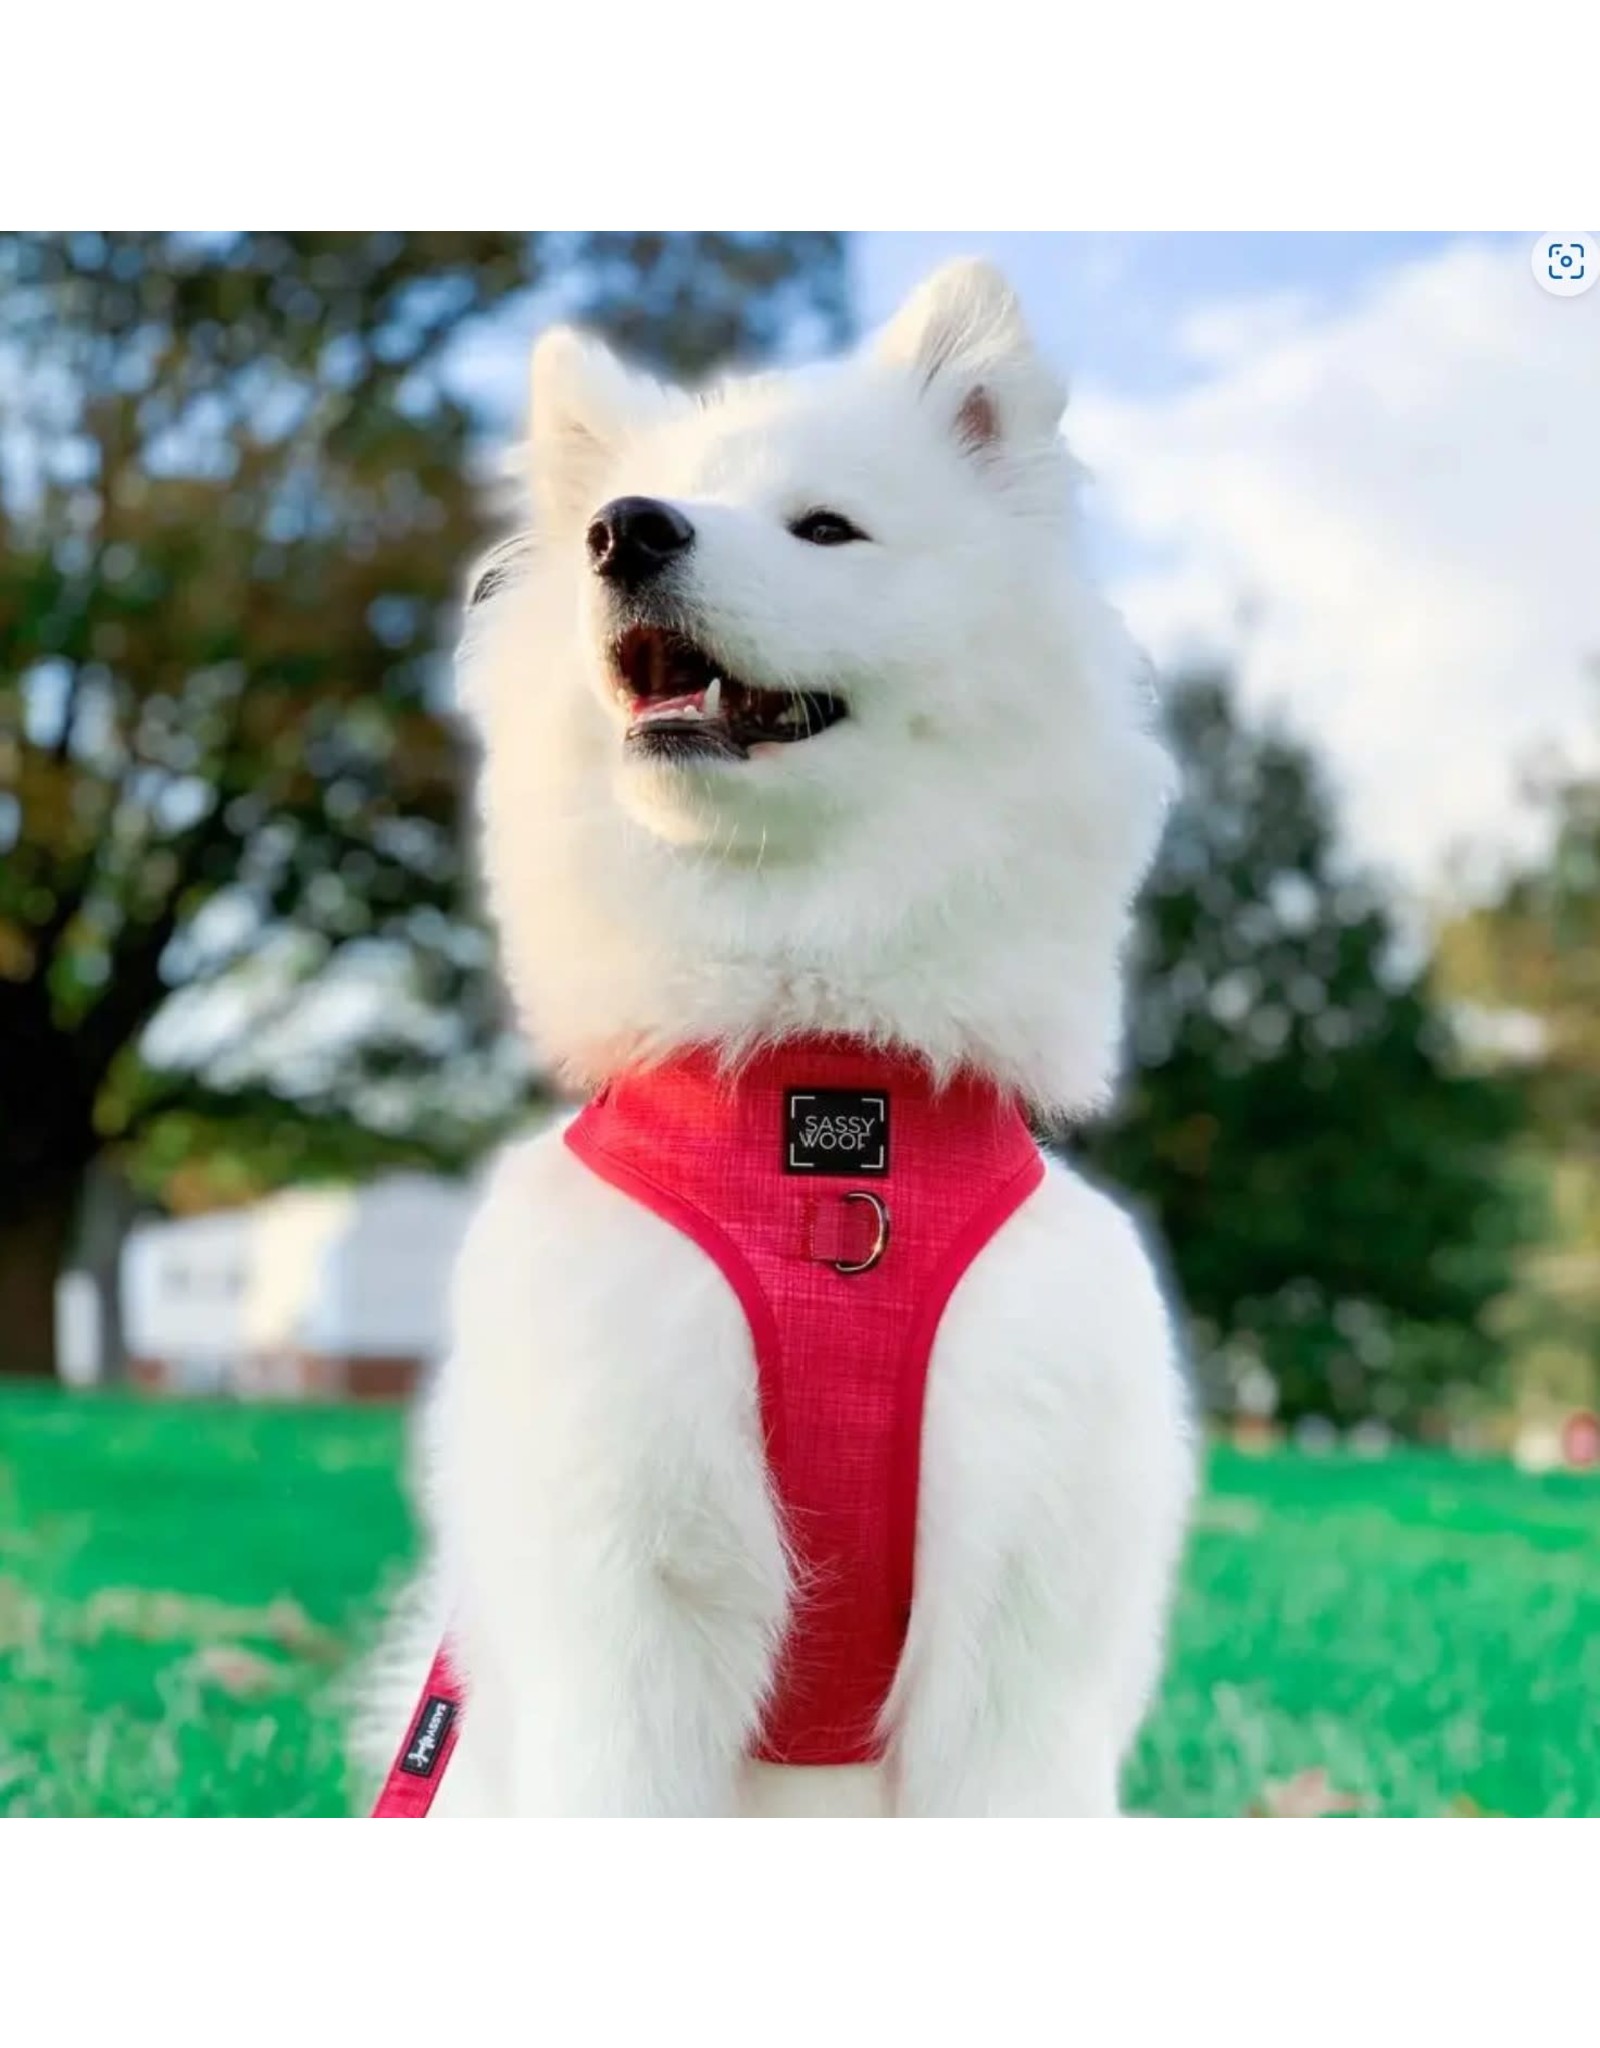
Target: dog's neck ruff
(843,1193)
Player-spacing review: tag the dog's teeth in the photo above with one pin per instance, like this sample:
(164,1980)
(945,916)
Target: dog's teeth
(672,713)
(711,704)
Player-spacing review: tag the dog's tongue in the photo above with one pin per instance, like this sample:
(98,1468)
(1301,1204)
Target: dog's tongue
(706,703)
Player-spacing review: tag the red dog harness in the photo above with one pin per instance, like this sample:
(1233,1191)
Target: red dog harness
(842,1195)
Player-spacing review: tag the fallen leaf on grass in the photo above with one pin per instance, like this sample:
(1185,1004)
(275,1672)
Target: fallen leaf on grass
(288,1623)
(155,1616)
(236,1671)
(1306,1796)
(1235,1517)
(1464,1807)
(21,1616)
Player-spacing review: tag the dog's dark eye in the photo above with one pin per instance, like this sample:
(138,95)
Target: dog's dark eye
(825,529)
(499,567)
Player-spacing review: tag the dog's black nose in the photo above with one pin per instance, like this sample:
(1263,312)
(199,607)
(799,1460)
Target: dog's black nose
(632,539)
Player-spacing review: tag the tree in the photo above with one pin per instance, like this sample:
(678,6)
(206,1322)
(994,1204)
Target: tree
(1532,952)
(1527,964)
(1325,1173)
(237,491)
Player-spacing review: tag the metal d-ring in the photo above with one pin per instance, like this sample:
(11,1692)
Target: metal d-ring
(880,1243)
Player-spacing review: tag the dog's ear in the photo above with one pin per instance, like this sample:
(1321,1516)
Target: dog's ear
(962,336)
(585,403)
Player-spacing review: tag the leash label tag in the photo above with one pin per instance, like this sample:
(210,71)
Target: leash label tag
(835,1131)
(428,1731)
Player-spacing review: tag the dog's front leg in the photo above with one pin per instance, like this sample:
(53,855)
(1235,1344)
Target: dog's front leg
(618,1634)
(1057,1471)
(1018,1733)
(1031,1662)
(635,1691)
(617,1576)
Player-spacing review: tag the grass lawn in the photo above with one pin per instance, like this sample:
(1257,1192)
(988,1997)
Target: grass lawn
(182,1587)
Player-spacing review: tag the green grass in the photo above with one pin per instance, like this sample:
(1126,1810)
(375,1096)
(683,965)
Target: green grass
(182,1588)
(1424,1629)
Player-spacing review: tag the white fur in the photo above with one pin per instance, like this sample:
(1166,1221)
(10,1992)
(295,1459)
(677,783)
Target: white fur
(949,869)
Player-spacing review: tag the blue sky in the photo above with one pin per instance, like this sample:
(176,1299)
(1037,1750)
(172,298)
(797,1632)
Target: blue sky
(1108,305)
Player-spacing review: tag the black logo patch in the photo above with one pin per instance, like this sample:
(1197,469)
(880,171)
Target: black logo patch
(835,1131)
(431,1727)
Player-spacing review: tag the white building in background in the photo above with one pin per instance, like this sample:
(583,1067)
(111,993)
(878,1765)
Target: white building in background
(335,1292)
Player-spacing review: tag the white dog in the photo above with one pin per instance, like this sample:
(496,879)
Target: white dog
(799,723)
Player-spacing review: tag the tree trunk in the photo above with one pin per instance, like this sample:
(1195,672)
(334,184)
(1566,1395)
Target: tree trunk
(110,1208)
(34,1238)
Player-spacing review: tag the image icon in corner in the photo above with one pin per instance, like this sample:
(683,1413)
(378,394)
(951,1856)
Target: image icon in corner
(1566,265)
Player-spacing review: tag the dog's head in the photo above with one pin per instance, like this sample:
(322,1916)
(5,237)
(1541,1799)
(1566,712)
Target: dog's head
(816,638)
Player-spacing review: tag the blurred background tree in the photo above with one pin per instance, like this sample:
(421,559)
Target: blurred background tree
(1525,965)
(239,483)
(1325,1170)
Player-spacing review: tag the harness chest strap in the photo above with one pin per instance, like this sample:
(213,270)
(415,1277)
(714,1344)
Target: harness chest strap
(843,1196)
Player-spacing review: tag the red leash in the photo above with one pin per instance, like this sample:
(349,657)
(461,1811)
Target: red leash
(414,1776)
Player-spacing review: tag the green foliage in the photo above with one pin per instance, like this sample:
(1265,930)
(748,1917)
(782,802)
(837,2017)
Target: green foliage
(1527,963)
(183,1588)
(690,303)
(1533,951)
(1326,1177)
(238,488)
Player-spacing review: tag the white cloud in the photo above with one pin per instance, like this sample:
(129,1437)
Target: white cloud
(1391,512)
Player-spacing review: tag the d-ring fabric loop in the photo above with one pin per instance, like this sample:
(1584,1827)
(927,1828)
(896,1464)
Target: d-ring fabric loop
(880,1244)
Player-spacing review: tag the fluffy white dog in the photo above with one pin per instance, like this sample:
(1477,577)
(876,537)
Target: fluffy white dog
(866,758)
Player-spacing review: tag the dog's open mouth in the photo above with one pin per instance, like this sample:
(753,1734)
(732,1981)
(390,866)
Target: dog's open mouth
(683,705)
